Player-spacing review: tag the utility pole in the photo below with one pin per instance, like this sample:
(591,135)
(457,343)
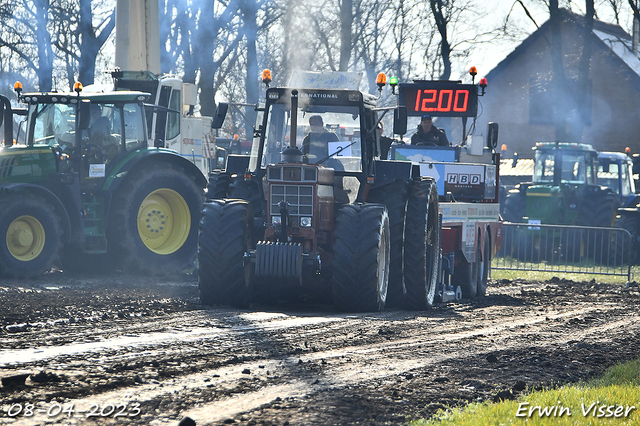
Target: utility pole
(137,35)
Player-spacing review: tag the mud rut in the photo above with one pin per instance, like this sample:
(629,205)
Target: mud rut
(147,348)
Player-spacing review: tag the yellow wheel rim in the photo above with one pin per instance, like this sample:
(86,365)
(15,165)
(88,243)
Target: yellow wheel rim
(164,221)
(25,238)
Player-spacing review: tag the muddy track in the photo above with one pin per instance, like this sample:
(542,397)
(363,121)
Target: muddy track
(143,351)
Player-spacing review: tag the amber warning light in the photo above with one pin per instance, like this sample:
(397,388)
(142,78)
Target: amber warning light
(473,71)
(266,77)
(77,87)
(17,87)
(381,81)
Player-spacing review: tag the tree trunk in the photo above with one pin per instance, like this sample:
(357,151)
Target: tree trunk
(445,47)
(45,52)
(346,21)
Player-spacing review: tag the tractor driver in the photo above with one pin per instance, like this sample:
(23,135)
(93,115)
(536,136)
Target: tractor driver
(100,126)
(428,134)
(100,133)
(315,144)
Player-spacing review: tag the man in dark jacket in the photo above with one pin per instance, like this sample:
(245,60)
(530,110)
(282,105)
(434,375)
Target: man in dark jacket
(315,145)
(385,142)
(428,134)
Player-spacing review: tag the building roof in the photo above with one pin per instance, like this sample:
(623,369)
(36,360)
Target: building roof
(612,36)
(522,168)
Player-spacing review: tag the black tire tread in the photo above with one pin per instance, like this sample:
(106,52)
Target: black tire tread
(217,185)
(35,206)
(126,251)
(394,197)
(422,244)
(515,206)
(223,238)
(358,234)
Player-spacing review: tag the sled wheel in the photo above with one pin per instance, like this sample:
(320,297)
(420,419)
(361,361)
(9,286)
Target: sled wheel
(485,265)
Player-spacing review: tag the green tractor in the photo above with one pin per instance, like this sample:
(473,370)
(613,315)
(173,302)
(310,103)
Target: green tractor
(564,191)
(81,179)
(616,170)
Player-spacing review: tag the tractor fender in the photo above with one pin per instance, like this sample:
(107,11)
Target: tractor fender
(151,158)
(12,188)
(629,211)
(237,164)
(386,171)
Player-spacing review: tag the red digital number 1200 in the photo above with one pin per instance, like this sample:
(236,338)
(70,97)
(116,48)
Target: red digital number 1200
(433,100)
(446,99)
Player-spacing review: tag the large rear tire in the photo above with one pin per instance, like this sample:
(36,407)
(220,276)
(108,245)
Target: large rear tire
(218,185)
(394,197)
(598,208)
(422,244)
(361,256)
(625,250)
(515,205)
(225,236)
(150,224)
(30,231)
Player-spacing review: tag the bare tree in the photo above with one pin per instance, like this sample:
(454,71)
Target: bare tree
(90,40)
(442,20)
(26,34)
(346,41)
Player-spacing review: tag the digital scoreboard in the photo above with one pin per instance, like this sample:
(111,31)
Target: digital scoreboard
(439,98)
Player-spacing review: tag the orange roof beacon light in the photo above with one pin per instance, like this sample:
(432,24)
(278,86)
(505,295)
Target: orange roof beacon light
(381,81)
(503,148)
(483,84)
(627,150)
(77,87)
(473,71)
(266,77)
(17,86)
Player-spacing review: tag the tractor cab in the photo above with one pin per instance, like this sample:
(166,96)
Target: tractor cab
(564,189)
(562,174)
(615,171)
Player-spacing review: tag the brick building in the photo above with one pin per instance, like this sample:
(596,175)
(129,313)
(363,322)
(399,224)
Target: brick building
(521,99)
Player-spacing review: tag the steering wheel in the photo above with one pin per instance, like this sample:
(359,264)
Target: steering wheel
(93,153)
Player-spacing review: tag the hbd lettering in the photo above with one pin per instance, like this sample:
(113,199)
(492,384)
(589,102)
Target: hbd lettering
(463,179)
(594,410)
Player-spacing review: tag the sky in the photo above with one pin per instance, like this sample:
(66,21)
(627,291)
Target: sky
(491,54)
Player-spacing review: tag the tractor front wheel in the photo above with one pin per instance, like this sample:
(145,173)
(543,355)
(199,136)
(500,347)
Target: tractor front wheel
(360,270)
(31,236)
(225,236)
